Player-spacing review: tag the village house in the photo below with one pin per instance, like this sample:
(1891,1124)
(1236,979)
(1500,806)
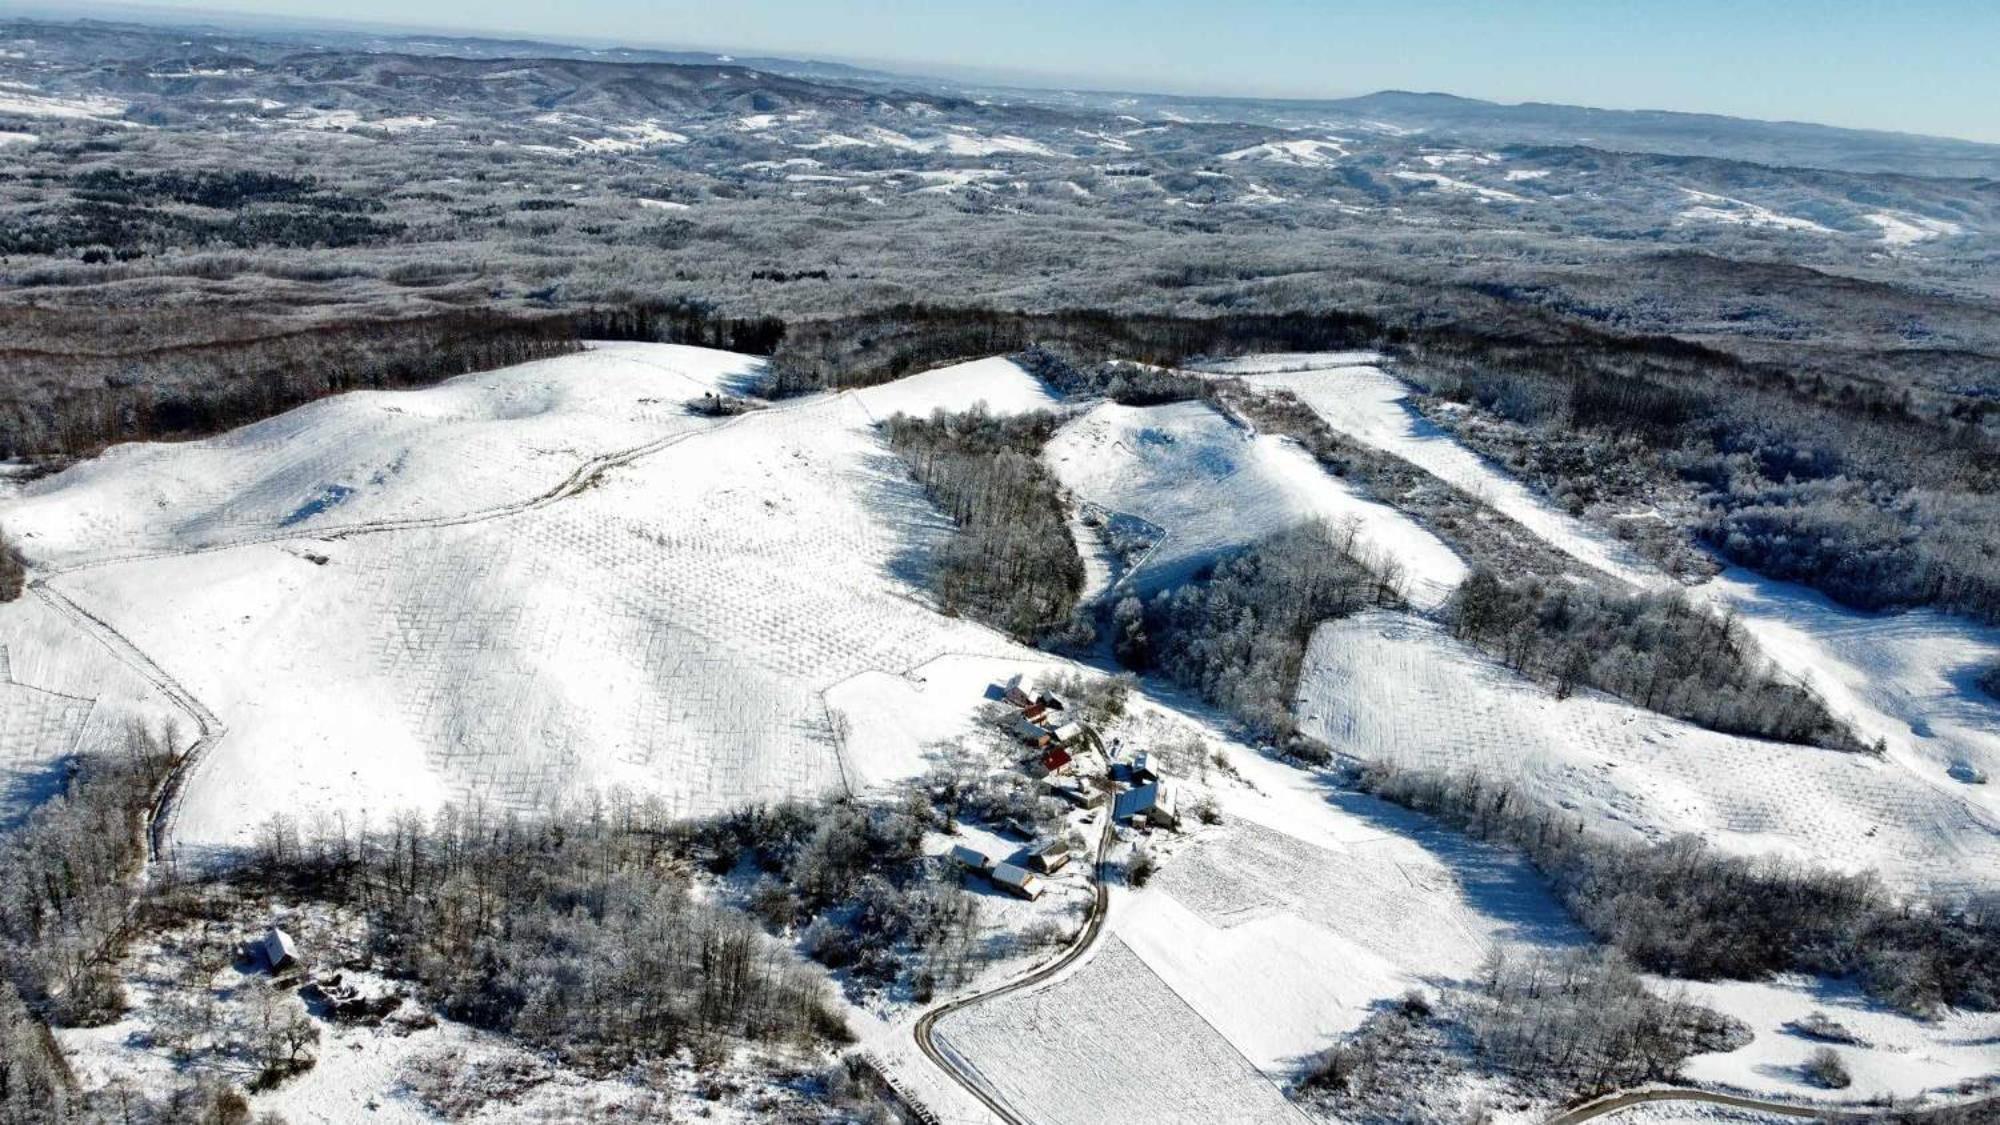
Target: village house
(1142,768)
(1055,760)
(1157,801)
(1051,857)
(1032,734)
(1018,880)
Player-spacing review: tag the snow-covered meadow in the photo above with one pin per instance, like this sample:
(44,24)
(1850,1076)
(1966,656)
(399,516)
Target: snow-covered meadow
(668,629)
(1215,487)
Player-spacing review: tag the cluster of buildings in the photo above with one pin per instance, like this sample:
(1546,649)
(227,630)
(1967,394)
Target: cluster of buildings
(1023,878)
(1075,766)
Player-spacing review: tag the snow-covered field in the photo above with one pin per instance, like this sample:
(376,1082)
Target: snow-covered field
(469,444)
(1389,687)
(1922,815)
(1355,396)
(668,629)
(1216,487)
(1897,1056)
(62,694)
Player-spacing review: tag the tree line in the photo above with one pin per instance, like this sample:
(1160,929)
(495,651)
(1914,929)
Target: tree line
(1682,909)
(1012,562)
(579,932)
(1654,650)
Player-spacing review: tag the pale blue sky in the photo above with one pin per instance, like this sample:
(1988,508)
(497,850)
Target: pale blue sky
(1925,66)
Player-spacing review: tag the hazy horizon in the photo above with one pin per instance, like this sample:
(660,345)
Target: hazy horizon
(1917,70)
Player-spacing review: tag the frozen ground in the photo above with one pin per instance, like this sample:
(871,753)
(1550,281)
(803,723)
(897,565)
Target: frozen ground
(668,629)
(1898,1057)
(1112,1038)
(1390,687)
(1216,487)
(1352,393)
(62,694)
(464,445)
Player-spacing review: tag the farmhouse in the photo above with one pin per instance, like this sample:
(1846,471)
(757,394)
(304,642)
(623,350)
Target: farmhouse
(1018,880)
(1031,733)
(1051,857)
(1155,800)
(1055,760)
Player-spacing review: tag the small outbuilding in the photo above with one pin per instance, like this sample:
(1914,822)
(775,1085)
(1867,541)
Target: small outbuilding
(1142,768)
(1051,857)
(1018,880)
(1069,733)
(280,952)
(1055,760)
(971,858)
(1015,697)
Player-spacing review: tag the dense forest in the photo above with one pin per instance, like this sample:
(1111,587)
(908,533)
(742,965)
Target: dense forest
(1012,562)
(1880,495)
(1682,909)
(1652,649)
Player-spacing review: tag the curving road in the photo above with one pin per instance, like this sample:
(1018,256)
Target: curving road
(1612,1103)
(1093,927)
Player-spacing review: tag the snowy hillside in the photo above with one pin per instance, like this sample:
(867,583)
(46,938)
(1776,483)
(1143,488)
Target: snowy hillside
(1215,487)
(668,629)
(1387,687)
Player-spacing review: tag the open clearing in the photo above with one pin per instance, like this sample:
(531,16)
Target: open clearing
(1215,487)
(1388,687)
(667,630)
(1351,392)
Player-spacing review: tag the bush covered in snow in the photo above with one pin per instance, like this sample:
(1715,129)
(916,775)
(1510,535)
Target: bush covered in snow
(1823,1068)
(13,572)
(1547,1026)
